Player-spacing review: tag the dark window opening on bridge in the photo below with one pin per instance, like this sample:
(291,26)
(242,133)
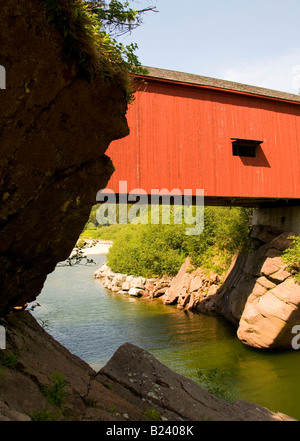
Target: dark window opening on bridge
(245,147)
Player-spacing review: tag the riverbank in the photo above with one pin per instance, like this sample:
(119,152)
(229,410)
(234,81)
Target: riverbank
(132,386)
(188,290)
(258,295)
(93,247)
(132,285)
(92,322)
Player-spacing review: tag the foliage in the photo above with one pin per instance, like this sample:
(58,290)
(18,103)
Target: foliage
(217,382)
(113,19)
(90,30)
(155,250)
(44,415)
(117,17)
(103,232)
(226,232)
(147,250)
(55,392)
(80,243)
(9,360)
(291,256)
(56,395)
(152,415)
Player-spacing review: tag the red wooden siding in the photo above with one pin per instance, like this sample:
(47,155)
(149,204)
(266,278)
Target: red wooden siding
(180,137)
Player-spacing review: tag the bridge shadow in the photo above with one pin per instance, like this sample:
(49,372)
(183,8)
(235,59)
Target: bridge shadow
(232,296)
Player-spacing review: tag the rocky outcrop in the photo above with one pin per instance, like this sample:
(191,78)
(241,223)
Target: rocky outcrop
(55,129)
(260,296)
(270,315)
(174,396)
(133,386)
(192,289)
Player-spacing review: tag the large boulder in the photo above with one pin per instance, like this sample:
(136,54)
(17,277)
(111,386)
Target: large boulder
(260,296)
(55,129)
(179,286)
(270,315)
(173,395)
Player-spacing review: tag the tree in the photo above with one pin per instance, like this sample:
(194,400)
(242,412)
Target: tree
(91,30)
(112,20)
(116,17)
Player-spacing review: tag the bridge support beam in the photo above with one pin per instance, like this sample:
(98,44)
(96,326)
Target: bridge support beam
(282,218)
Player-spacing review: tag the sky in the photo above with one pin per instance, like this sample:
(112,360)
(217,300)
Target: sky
(255,42)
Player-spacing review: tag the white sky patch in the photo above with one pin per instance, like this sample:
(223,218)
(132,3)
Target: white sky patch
(278,73)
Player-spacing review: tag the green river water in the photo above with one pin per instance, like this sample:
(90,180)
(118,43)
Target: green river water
(93,322)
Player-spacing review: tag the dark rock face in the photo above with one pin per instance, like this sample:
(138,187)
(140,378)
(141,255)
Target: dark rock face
(55,129)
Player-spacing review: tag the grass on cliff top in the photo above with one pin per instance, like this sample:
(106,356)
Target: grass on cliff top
(156,250)
(89,45)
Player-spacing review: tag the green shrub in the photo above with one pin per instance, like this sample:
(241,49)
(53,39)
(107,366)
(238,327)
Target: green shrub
(89,31)
(108,232)
(147,250)
(9,360)
(291,256)
(55,392)
(155,250)
(80,243)
(152,415)
(44,415)
(226,232)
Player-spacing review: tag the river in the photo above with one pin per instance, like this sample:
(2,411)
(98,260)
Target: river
(93,322)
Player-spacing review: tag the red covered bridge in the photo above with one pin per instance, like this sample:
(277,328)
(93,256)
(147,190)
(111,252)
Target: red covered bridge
(240,144)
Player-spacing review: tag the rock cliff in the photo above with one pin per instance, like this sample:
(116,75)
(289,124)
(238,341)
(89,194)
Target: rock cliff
(261,295)
(55,129)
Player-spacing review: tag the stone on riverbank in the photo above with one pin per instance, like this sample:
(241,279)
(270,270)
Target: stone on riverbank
(132,285)
(136,292)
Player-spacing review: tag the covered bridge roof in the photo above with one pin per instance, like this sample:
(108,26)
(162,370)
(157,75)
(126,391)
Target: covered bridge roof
(202,81)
